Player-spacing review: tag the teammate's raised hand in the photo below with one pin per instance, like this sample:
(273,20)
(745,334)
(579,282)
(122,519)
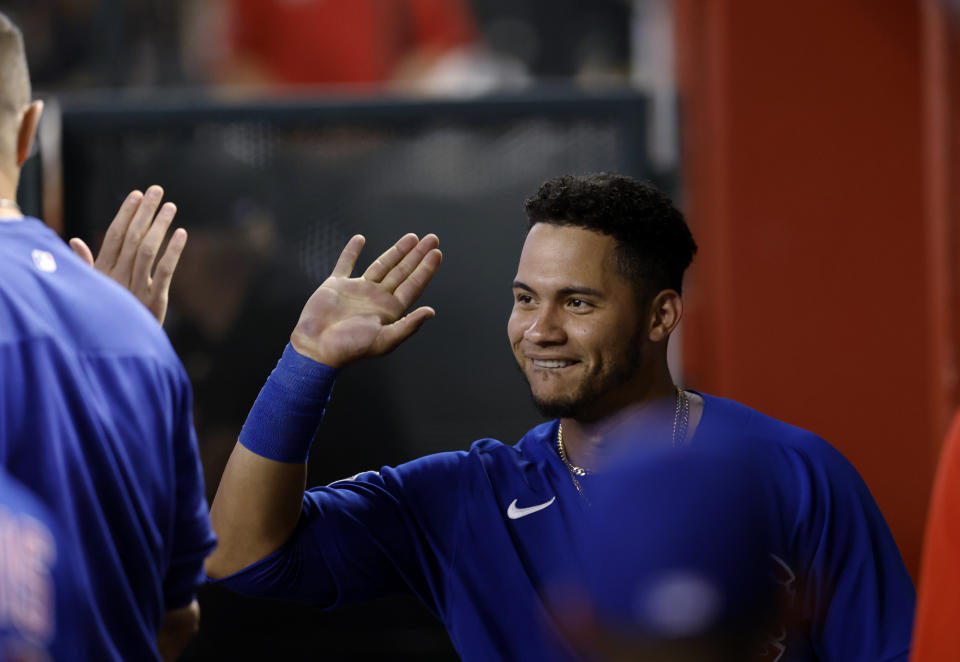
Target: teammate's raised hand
(131,245)
(347,319)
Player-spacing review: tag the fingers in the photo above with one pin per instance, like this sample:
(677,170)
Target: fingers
(168,264)
(123,269)
(81,249)
(348,257)
(131,245)
(146,252)
(413,286)
(394,334)
(113,240)
(382,266)
(402,271)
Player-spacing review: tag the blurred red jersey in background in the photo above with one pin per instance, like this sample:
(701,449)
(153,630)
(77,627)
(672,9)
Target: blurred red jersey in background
(303,42)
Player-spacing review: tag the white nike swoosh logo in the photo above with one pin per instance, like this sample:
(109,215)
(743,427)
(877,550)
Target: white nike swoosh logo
(516,513)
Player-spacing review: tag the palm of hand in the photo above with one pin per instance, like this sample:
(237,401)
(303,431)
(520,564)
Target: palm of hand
(347,319)
(347,316)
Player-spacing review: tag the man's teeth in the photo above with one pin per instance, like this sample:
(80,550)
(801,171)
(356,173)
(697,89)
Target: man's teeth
(543,363)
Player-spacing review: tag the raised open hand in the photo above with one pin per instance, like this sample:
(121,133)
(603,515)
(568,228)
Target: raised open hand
(131,245)
(347,319)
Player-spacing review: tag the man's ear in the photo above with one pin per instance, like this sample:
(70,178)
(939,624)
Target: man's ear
(666,309)
(28,129)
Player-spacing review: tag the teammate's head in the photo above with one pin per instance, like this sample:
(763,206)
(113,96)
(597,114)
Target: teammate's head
(596,294)
(677,556)
(654,244)
(18,117)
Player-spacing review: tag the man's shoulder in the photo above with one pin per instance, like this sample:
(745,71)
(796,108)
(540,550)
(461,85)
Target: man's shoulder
(488,453)
(450,470)
(529,446)
(731,417)
(732,421)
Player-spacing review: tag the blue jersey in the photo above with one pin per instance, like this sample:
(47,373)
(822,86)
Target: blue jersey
(677,553)
(95,419)
(38,595)
(481,537)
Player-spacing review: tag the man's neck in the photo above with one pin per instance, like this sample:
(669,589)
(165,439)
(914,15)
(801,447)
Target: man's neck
(652,419)
(9,211)
(8,193)
(8,184)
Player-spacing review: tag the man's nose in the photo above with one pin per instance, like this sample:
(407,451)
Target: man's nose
(545,328)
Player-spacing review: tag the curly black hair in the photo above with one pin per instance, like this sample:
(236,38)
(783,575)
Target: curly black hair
(654,244)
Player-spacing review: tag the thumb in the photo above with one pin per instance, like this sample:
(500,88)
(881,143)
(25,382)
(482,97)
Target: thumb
(81,249)
(394,334)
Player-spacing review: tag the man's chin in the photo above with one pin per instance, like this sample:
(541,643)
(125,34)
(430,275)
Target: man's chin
(557,407)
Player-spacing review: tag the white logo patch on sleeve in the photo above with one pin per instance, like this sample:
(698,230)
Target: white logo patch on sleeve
(680,604)
(44,261)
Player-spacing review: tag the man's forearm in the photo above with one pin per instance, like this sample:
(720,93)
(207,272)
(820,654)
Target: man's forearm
(178,628)
(260,494)
(255,510)
(259,499)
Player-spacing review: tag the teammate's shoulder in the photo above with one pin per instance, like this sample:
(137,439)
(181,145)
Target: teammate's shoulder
(49,292)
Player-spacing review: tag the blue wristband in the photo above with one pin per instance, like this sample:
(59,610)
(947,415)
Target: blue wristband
(286,414)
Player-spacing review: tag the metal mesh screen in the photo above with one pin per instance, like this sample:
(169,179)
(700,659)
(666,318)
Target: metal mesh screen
(270,193)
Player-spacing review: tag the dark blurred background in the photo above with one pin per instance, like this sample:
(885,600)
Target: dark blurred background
(820,146)
(278,140)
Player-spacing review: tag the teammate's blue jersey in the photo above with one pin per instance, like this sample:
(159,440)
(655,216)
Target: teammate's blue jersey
(655,589)
(39,619)
(95,419)
(482,537)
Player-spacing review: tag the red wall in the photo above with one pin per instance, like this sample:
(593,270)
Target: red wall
(818,295)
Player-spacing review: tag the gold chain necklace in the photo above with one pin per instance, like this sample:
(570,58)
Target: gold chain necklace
(681,421)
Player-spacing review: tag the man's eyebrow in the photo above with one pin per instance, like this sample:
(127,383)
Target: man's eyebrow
(566,291)
(581,289)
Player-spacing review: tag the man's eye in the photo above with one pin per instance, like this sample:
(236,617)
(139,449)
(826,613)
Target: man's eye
(524,298)
(577,303)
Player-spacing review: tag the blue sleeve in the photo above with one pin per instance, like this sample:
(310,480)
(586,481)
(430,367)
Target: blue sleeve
(193,538)
(38,582)
(858,595)
(73,624)
(374,534)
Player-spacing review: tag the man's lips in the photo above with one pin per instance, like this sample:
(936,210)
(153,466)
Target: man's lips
(551,363)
